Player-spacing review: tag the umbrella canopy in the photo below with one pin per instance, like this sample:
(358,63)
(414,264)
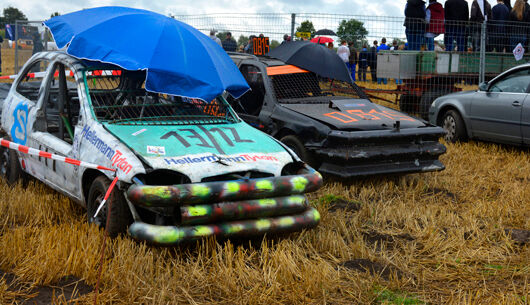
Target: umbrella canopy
(313,57)
(179,59)
(325,32)
(321,39)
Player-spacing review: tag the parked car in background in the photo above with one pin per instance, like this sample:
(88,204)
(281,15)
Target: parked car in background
(498,111)
(332,124)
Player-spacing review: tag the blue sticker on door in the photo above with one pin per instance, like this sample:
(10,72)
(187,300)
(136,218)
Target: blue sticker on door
(19,131)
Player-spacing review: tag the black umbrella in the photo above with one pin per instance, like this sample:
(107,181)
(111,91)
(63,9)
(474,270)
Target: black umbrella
(313,57)
(325,32)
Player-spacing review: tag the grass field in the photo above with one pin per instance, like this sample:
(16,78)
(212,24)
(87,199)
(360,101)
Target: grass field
(434,238)
(424,238)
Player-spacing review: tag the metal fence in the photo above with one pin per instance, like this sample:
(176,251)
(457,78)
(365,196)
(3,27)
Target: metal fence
(410,75)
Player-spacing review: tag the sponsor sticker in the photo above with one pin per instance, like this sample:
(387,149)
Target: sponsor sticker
(156,150)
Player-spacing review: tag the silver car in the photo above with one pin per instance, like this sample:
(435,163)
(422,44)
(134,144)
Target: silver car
(498,111)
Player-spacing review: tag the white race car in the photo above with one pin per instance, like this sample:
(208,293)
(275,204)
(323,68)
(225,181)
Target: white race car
(186,169)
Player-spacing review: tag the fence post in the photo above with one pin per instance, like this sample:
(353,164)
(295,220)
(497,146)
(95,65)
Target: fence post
(482,68)
(293,20)
(16,46)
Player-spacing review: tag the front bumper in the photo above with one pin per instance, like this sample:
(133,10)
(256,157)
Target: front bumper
(361,153)
(228,208)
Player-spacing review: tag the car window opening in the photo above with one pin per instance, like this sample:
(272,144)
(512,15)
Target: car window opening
(119,97)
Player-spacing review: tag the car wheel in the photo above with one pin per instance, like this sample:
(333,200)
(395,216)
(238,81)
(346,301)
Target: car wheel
(120,216)
(10,166)
(454,127)
(299,149)
(426,101)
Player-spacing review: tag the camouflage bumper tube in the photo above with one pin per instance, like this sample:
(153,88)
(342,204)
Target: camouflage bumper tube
(228,208)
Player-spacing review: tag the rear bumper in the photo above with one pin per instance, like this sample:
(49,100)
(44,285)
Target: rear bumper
(228,208)
(381,152)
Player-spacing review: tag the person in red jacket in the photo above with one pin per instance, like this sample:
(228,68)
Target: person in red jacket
(434,17)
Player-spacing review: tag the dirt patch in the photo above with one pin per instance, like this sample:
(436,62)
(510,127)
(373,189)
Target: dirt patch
(518,235)
(375,268)
(68,289)
(341,204)
(377,239)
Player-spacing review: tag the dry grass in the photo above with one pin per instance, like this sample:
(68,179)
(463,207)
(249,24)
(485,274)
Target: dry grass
(440,236)
(8,59)
(425,238)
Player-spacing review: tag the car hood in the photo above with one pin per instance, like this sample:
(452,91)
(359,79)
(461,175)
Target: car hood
(204,150)
(354,114)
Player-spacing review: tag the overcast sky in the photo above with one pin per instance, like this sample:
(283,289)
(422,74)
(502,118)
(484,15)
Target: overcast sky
(39,9)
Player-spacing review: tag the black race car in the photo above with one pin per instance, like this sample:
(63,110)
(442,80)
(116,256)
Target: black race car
(331,124)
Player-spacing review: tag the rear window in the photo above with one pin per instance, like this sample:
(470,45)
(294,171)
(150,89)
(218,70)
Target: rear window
(119,97)
(290,82)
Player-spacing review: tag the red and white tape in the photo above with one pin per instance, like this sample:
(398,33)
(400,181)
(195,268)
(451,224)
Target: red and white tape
(44,154)
(69,73)
(107,194)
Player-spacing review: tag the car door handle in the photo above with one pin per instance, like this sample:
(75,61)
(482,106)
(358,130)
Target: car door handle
(516,104)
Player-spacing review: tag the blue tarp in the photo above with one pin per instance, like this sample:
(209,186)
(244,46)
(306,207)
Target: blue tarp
(179,59)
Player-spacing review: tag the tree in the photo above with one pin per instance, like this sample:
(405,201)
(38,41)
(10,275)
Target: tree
(306,26)
(352,30)
(274,44)
(55,14)
(11,14)
(242,40)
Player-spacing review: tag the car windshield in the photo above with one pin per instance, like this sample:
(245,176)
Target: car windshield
(304,85)
(119,97)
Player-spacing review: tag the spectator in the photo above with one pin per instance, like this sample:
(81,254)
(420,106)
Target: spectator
(364,58)
(508,5)
(330,45)
(456,16)
(480,12)
(1,40)
(249,48)
(229,44)
(344,52)
(382,47)
(352,60)
(434,16)
(499,16)
(215,38)
(285,39)
(372,61)
(394,46)
(415,23)
(518,15)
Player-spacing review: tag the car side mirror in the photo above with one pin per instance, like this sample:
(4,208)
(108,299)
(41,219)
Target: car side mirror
(483,86)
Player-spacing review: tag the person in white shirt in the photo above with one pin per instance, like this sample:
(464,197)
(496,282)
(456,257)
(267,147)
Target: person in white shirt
(215,38)
(344,52)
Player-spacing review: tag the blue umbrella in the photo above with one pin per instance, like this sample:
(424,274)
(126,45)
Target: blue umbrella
(179,59)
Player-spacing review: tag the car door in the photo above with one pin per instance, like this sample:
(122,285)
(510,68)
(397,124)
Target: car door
(54,129)
(525,121)
(495,114)
(22,108)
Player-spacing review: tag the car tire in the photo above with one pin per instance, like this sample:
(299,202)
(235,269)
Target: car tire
(426,101)
(10,166)
(454,127)
(299,149)
(120,216)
